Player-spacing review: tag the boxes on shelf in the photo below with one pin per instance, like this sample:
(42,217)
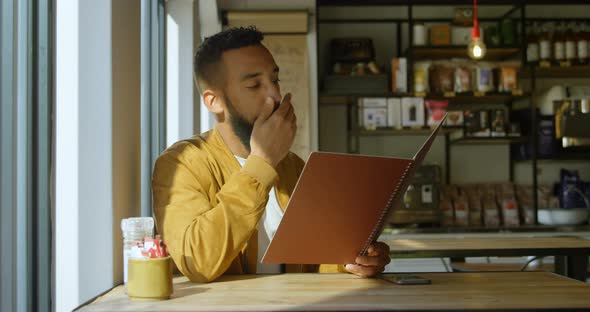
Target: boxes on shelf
(548,146)
(373,113)
(477,123)
(462,35)
(394,113)
(441,76)
(454,118)
(399,75)
(463,17)
(421,81)
(435,111)
(461,205)
(483,77)
(508,78)
(507,203)
(440,35)
(413,112)
(463,78)
(499,121)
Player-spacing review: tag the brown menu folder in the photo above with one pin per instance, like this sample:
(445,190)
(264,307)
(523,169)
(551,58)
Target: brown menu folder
(340,205)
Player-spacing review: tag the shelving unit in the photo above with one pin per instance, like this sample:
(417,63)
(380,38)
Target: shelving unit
(490,141)
(456,101)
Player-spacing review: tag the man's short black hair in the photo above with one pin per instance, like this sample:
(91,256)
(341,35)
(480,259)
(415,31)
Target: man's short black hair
(206,63)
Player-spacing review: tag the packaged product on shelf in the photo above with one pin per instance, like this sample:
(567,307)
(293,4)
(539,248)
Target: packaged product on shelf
(514,129)
(491,36)
(435,111)
(475,209)
(374,113)
(442,77)
(463,81)
(571,190)
(545,46)
(420,30)
(440,35)
(454,118)
(462,35)
(463,16)
(413,112)
(394,110)
(532,50)
(421,76)
(582,43)
(544,194)
(508,78)
(491,215)
(498,123)
(524,197)
(461,205)
(446,207)
(399,75)
(570,43)
(559,43)
(508,204)
(508,32)
(477,123)
(483,74)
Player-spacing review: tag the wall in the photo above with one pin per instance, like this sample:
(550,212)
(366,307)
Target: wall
(126,122)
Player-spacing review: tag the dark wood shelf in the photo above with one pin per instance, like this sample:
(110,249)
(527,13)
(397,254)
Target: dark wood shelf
(448,52)
(470,98)
(396,132)
(488,140)
(394,230)
(574,71)
(334,98)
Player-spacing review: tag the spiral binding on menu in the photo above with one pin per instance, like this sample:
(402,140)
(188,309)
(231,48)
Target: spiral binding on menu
(384,211)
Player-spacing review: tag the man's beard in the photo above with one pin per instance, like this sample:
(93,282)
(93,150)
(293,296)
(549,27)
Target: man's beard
(241,126)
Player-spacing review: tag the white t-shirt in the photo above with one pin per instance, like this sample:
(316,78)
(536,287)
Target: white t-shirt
(267,227)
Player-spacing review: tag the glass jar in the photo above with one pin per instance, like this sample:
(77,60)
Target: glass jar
(134,230)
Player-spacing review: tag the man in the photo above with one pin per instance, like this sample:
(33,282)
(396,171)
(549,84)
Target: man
(219,197)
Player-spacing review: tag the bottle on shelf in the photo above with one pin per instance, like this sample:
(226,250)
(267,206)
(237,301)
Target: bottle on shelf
(559,43)
(545,45)
(532,49)
(570,43)
(582,43)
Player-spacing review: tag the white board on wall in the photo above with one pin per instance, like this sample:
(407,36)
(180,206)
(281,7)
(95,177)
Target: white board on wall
(290,54)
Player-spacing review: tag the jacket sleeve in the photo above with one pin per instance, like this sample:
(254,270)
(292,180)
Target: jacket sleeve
(204,240)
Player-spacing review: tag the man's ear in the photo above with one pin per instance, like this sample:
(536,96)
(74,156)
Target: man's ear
(212,101)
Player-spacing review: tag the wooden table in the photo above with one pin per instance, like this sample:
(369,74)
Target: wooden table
(492,291)
(571,253)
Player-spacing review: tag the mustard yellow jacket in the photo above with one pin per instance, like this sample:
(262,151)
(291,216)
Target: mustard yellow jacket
(207,206)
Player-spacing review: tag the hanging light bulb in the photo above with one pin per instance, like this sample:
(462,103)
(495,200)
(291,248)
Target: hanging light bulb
(476,48)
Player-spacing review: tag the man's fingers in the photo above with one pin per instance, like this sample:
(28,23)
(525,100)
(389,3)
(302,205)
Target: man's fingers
(377,249)
(285,105)
(363,271)
(368,260)
(267,110)
(381,260)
